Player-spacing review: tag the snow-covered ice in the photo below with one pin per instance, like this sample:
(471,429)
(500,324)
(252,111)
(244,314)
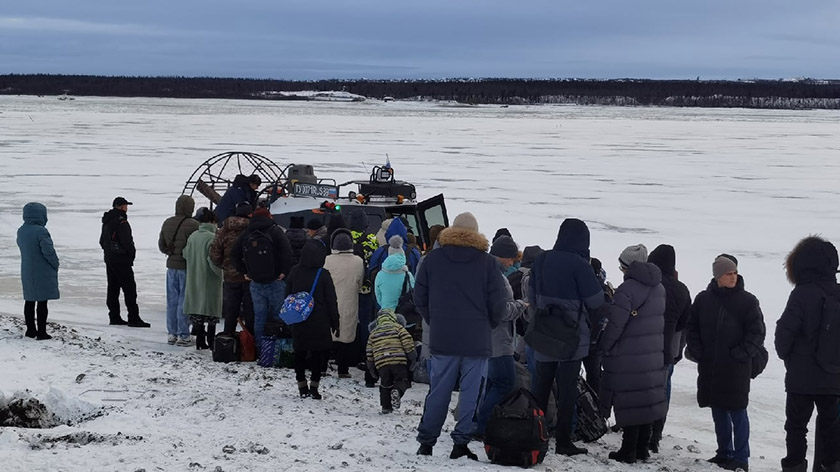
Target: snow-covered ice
(747,182)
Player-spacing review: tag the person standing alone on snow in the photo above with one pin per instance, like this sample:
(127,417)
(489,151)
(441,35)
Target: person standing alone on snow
(171,241)
(461,295)
(812,267)
(725,330)
(38,269)
(117,243)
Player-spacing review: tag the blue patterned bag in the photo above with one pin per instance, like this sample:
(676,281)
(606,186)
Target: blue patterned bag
(298,306)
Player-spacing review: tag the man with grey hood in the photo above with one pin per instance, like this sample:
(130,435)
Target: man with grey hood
(171,241)
(501,370)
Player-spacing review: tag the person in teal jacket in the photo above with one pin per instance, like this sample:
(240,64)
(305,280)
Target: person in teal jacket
(203,293)
(388,285)
(38,268)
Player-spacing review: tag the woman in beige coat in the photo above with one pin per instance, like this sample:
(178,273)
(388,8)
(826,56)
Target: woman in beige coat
(348,272)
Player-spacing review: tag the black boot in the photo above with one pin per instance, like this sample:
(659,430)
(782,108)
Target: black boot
(568,448)
(200,341)
(303,389)
(29,316)
(629,440)
(134,321)
(313,391)
(656,435)
(642,442)
(211,335)
(42,326)
(116,320)
(801,467)
(385,400)
(461,450)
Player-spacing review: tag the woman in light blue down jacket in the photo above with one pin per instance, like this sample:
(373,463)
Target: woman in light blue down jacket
(38,268)
(391,278)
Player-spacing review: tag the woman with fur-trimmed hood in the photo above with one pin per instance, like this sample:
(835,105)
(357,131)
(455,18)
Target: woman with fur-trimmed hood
(811,266)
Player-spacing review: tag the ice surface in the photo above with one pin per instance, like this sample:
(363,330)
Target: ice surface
(747,182)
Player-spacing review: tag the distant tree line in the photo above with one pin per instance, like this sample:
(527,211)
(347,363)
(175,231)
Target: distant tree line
(805,93)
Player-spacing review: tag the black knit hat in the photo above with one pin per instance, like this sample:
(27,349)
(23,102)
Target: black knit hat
(296,222)
(314,224)
(504,247)
(244,209)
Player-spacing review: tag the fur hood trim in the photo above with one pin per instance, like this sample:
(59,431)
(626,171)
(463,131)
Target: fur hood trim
(463,237)
(812,259)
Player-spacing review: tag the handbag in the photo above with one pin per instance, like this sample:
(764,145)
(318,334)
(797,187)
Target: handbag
(247,346)
(298,306)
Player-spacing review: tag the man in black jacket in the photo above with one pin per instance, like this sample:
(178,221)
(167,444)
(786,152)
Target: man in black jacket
(811,266)
(264,255)
(118,244)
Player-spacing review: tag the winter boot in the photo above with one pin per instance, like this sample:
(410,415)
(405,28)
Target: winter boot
(656,435)
(568,448)
(643,442)
(396,398)
(461,450)
(116,320)
(424,450)
(313,391)
(303,389)
(42,326)
(801,467)
(200,341)
(629,446)
(211,335)
(31,330)
(134,321)
(385,399)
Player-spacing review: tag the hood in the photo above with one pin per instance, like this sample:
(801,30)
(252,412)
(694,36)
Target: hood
(396,228)
(394,263)
(644,272)
(529,255)
(573,237)
(35,213)
(260,223)
(236,223)
(240,180)
(184,206)
(359,220)
(113,214)
(385,316)
(463,237)
(665,258)
(208,227)
(313,254)
(812,259)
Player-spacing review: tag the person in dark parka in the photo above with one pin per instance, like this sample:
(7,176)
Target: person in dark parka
(677,309)
(312,339)
(38,269)
(633,381)
(242,189)
(564,289)
(725,330)
(811,266)
(297,236)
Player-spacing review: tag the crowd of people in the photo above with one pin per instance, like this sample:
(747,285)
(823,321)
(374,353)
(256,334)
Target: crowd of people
(482,307)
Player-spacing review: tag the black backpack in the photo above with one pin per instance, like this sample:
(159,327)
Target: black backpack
(226,348)
(591,425)
(407,308)
(827,351)
(258,254)
(517,432)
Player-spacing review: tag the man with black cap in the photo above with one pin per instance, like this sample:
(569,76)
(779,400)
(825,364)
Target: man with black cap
(118,245)
(243,189)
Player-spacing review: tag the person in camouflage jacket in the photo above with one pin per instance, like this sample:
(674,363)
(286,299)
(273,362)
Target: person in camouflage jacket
(390,353)
(236,292)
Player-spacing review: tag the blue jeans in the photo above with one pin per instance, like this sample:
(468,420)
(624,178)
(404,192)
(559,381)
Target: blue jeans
(727,424)
(501,380)
(444,371)
(267,300)
(177,323)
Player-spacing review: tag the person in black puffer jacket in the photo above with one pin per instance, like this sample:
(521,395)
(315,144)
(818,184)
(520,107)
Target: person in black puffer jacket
(312,338)
(812,267)
(725,330)
(677,309)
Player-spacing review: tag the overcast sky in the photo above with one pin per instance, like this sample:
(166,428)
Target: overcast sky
(318,39)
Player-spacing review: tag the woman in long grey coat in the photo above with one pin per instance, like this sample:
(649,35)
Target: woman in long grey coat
(38,268)
(633,381)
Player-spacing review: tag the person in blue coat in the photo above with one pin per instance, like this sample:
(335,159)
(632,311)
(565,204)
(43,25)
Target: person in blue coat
(242,189)
(392,278)
(38,268)
(412,255)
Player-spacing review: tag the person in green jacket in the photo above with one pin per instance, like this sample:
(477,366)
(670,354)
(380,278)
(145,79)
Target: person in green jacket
(203,294)
(38,268)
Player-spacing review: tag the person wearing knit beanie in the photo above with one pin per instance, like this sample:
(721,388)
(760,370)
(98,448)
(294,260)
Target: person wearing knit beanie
(631,254)
(502,232)
(505,248)
(342,241)
(359,220)
(244,210)
(395,245)
(466,220)
(724,265)
(314,224)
